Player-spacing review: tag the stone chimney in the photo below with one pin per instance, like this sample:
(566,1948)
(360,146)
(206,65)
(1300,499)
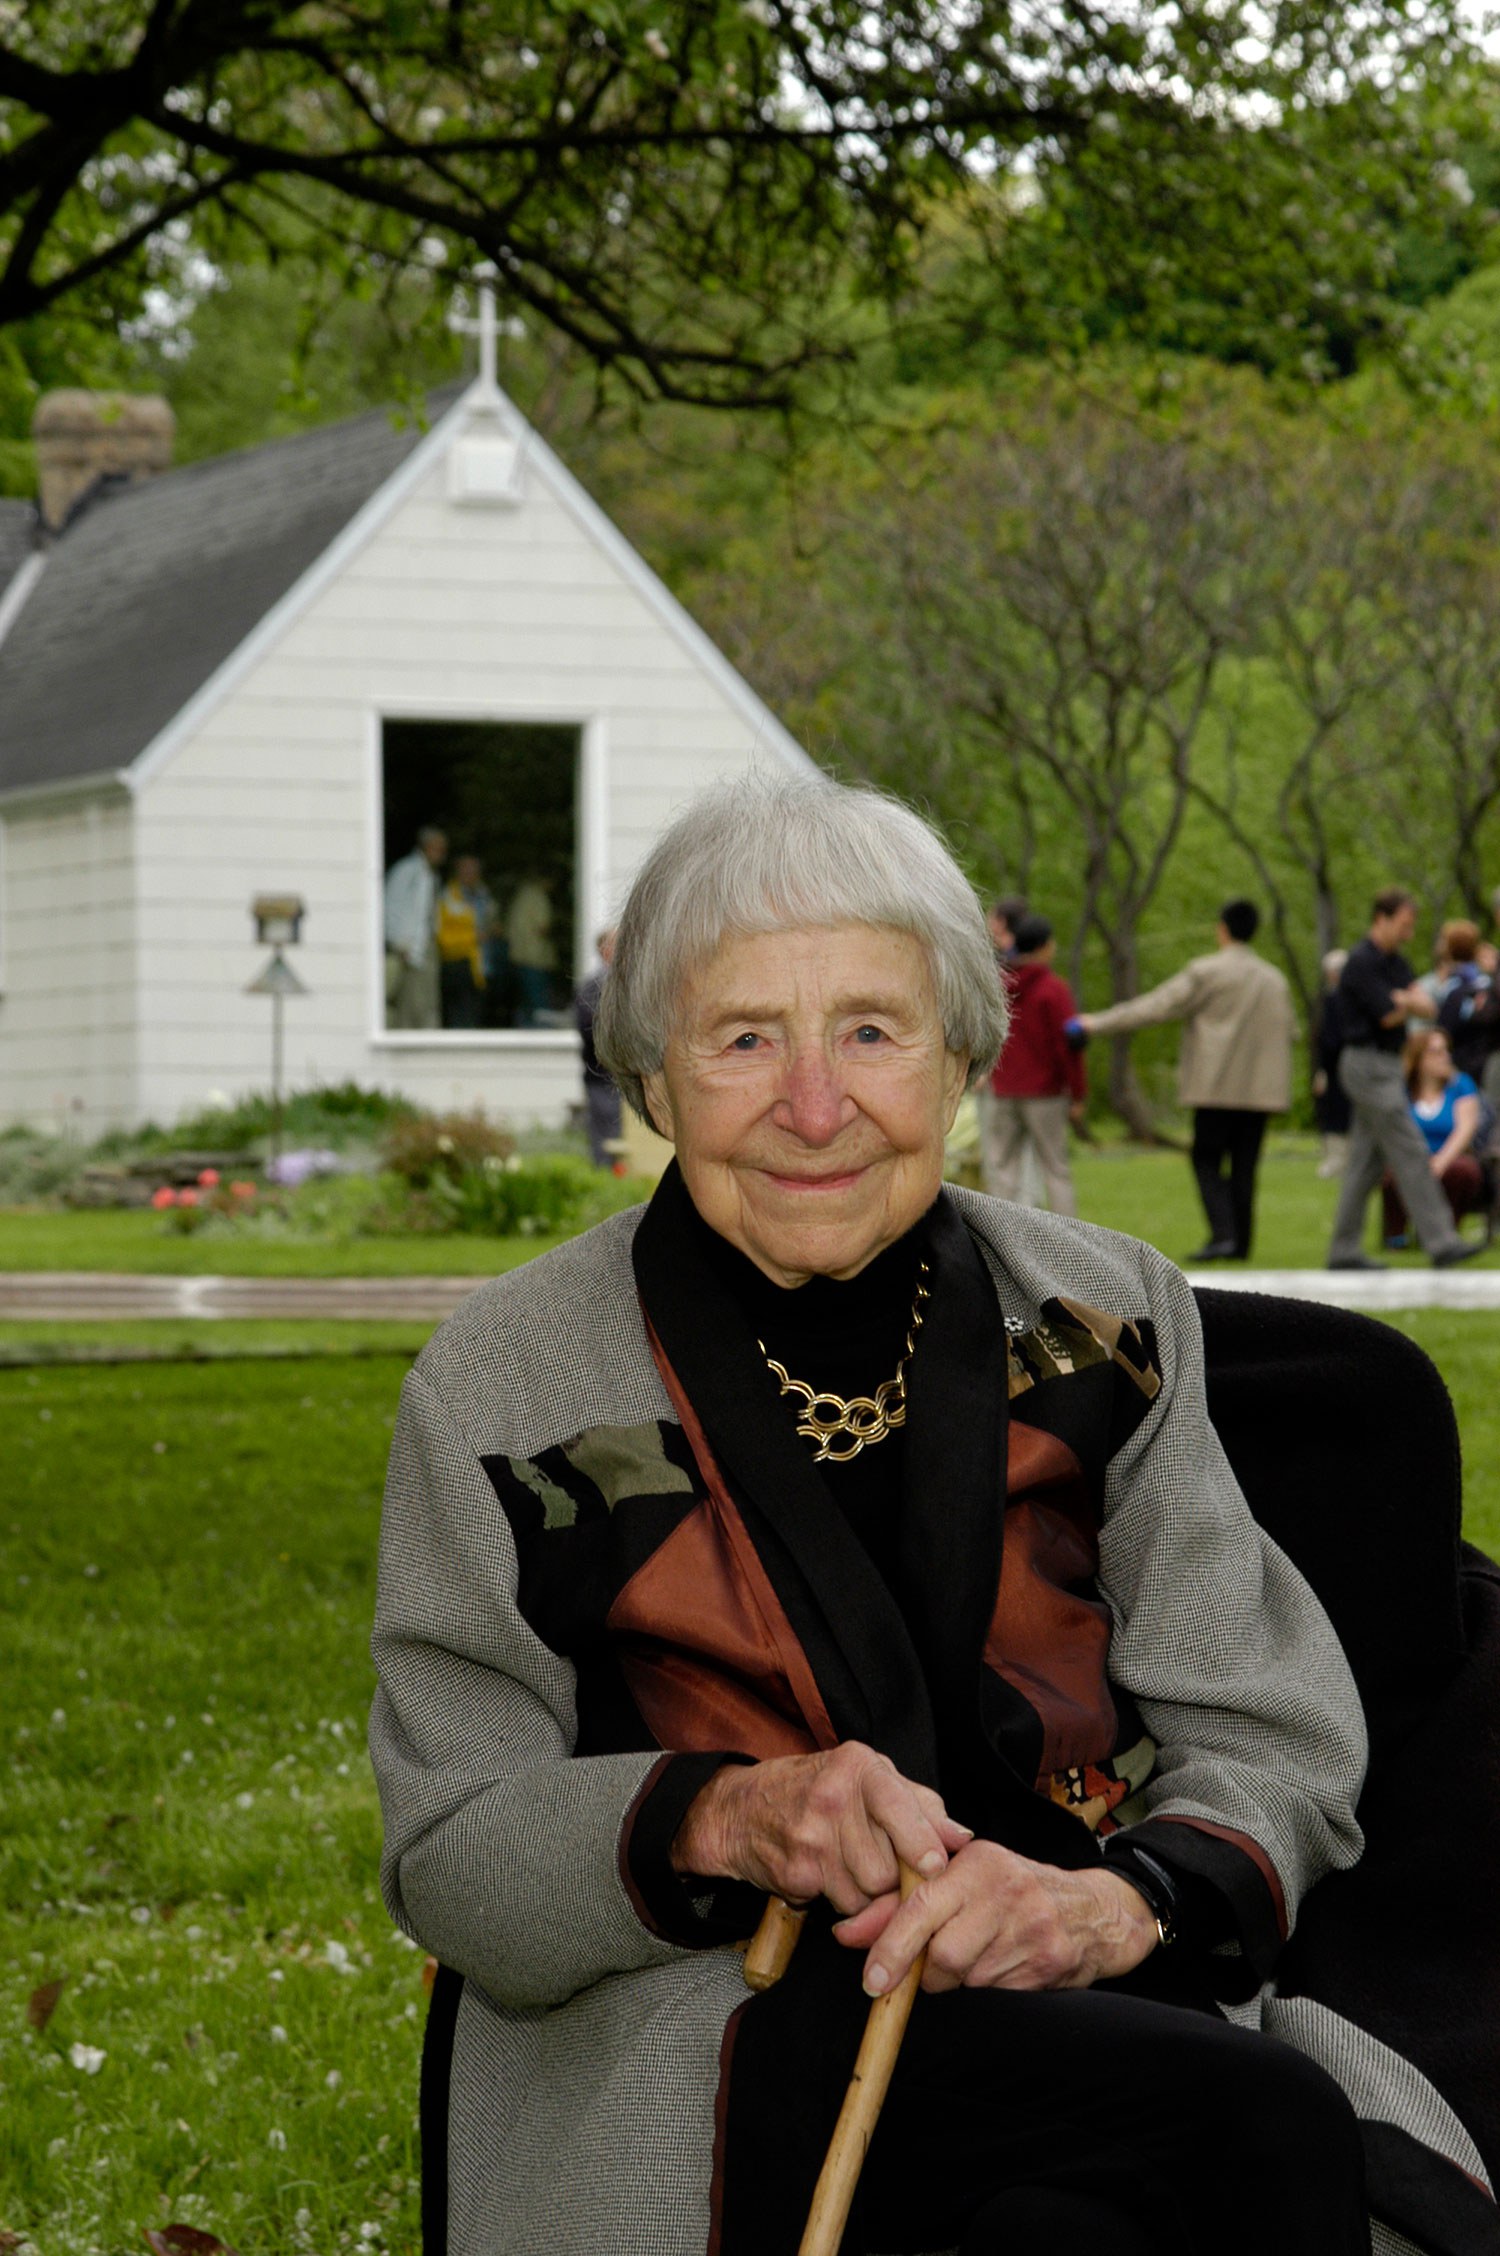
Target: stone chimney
(81,437)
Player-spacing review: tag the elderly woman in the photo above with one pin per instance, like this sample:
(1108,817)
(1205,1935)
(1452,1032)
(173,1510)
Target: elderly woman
(819,1519)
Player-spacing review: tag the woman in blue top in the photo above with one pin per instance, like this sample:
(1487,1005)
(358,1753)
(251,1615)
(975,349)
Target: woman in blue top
(1447,1108)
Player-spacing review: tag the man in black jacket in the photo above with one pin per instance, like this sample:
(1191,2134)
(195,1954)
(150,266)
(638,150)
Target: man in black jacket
(1377,994)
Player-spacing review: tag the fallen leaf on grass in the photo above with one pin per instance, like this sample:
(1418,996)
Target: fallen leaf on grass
(42,2004)
(8,2241)
(429,1972)
(185,2240)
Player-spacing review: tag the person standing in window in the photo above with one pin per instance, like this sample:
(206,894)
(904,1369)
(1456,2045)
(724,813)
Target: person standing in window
(465,914)
(411,964)
(533,952)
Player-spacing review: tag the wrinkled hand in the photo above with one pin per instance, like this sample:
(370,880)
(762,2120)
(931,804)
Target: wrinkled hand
(837,1825)
(994,1920)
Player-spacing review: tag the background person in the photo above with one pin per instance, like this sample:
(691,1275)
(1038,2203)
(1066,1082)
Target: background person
(411,964)
(1234,1069)
(1377,994)
(600,1096)
(666,1618)
(1448,1110)
(533,952)
(1468,1003)
(1039,1084)
(1004,915)
(1331,1108)
(465,915)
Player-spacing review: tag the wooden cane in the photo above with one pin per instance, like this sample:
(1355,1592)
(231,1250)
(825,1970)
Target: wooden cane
(884,2029)
(769,1951)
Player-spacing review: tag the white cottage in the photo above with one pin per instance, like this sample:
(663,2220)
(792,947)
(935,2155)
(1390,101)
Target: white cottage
(263,674)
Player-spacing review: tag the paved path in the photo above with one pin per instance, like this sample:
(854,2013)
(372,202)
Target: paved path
(85,1295)
(93,1295)
(1371,1290)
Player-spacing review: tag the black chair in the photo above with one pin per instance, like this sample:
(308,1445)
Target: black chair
(1343,1437)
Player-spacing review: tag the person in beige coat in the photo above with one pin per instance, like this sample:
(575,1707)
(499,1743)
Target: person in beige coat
(1234,1071)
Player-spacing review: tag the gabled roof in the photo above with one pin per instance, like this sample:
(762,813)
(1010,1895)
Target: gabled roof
(17,534)
(153,587)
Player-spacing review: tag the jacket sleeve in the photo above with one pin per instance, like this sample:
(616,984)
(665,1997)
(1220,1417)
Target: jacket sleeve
(1176,997)
(1230,1658)
(504,1853)
(1069,1060)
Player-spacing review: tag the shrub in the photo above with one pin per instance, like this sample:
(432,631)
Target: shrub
(34,1166)
(431,1148)
(342,1115)
(545,1196)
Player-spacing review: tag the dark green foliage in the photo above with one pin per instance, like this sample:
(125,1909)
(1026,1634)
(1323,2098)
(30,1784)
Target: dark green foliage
(335,1116)
(552,1194)
(711,200)
(431,1147)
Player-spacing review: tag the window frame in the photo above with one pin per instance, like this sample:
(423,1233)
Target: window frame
(591,850)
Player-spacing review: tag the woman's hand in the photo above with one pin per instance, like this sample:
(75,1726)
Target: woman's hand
(837,1825)
(994,1920)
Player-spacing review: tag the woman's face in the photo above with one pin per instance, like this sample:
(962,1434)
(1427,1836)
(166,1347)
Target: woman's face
(1437,1059)
(808,1090)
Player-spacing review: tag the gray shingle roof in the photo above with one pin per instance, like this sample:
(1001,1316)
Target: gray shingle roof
(155,585)
(17,532)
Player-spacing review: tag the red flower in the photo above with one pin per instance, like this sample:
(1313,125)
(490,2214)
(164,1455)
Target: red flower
(163,1197)
(209,1178)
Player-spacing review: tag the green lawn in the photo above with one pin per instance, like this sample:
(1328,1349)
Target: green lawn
(1148,1193)
(1152,1195)
(40,1238)
(227,1339)
(186,1572)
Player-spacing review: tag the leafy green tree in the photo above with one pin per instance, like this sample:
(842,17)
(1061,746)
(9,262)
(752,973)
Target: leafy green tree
(704,196)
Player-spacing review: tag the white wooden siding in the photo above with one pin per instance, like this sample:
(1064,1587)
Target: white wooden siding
(504,614)
(68,1007)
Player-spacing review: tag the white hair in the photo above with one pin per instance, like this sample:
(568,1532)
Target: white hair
(770,853)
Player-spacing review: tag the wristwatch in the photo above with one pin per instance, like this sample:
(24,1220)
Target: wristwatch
(1153,1881)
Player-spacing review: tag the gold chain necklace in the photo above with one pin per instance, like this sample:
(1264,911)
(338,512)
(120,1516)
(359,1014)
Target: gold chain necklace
(863,1419)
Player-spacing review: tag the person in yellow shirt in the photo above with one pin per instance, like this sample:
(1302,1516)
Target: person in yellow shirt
(465,918)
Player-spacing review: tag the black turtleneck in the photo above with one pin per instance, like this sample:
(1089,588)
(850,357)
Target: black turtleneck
(843,1336)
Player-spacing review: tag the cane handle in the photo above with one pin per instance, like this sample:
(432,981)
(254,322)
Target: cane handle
(771,1946)
(885,2026)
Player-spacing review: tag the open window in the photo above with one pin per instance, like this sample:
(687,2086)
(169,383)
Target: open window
(481,854)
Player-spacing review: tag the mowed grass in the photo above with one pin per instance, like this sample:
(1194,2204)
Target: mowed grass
(191,1833)
(1149,1194)
(46,1238)
(1152,1195)
(194,1339)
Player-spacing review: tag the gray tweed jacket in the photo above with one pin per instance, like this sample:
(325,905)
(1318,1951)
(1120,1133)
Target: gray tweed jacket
(588,2046)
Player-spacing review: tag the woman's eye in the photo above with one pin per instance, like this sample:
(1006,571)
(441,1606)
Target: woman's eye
(869,1034)
(744,1042)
